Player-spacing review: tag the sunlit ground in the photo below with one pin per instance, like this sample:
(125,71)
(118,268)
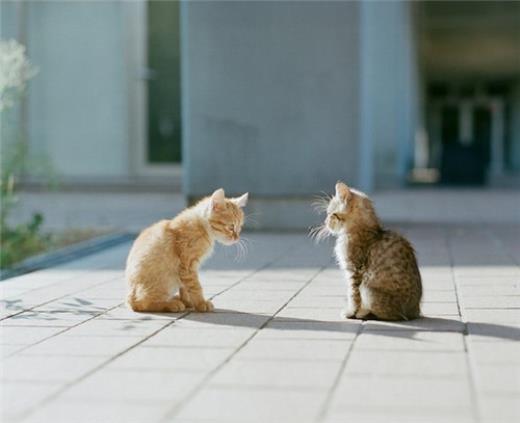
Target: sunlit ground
(276,348)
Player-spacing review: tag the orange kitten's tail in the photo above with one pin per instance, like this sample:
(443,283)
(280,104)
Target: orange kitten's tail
(131,300)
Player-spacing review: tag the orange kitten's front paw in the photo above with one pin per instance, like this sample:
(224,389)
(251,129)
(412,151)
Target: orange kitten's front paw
(203,306)
(176,306)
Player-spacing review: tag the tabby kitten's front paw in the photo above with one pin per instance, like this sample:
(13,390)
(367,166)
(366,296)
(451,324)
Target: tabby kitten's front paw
(348,313)
(203,306)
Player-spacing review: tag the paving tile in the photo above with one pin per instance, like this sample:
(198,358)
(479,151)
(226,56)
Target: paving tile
(438,393)
(79,411)
(294,349)
(490,302)
(439,296)
(491,332)
(246,306)
(46,368)
(49,318)
(167,358)
(273,348)
(125,313)
(70,346)
(19,397)
(128,385)
(25,335)
(114,328)
(309,330)
(406,340)
(440,309)
(427,323)
(368,413)
(499,409)
(498,380)
(226,320)
(507,353)
(9,350)
(329,314)
(406,364)
(239,405)
(288,375)
(201,337)
(498,315)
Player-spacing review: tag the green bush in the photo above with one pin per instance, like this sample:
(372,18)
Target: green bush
(22,241)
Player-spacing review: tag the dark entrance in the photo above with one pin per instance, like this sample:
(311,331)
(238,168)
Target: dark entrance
(164,99)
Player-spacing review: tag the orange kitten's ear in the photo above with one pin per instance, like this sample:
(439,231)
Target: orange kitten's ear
(342,190)
(242,200)
(218,197)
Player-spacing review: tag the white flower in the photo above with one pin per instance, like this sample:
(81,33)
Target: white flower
(15,71)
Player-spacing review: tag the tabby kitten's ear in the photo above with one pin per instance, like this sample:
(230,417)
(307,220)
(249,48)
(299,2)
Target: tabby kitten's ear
(342,191)
(217,198)
(242,200)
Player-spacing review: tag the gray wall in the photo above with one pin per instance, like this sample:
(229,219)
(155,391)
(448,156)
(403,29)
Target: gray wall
(77,110)
(78,106)
(270,96)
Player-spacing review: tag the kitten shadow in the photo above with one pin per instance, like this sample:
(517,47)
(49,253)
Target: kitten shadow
(405,329)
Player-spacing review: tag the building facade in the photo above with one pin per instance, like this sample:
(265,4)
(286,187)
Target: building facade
(280,99)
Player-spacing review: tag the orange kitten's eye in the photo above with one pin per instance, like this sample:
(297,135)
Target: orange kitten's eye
(336,216)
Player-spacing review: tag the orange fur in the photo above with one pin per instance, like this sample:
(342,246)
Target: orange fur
(163,263)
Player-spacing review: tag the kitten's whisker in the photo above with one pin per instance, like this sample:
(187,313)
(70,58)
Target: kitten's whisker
(321,203)
(319,233)
(249,217)
(237,254)
(326,195)
(247,240)
(241,250)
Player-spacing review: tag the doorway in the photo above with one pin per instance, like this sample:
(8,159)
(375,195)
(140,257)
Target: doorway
(163,83)
(467,136)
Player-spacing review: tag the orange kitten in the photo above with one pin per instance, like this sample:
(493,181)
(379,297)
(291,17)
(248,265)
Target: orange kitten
(162,267)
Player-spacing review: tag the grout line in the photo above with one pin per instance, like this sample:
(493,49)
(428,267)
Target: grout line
(325,407)
(67,385)
(177,408)
(25,347)
(113,278)
(475,409)
(73,270)
(57,393)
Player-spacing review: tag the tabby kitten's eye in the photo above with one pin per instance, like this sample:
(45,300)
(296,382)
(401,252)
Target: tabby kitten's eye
(336,216)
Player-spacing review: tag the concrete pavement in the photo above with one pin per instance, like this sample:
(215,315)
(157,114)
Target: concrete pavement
(276,349)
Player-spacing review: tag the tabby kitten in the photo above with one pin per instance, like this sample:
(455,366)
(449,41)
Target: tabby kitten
(383,278)
(162,266)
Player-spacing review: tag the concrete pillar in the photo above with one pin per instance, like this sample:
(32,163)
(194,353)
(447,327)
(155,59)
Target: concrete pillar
(514,131)
(389,93)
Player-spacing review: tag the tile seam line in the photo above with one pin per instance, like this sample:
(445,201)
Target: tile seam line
(58,392)
(330,394)
(26,347)
(475,409)
(112,278)
(60,267)
(174,411)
